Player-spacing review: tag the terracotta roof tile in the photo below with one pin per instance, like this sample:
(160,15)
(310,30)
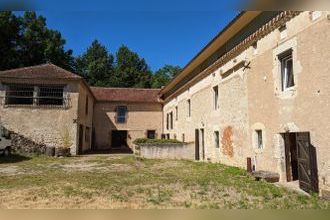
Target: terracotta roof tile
(44,71)
(126,94)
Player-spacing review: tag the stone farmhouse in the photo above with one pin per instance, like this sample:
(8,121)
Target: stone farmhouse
(257,96)
(48,106)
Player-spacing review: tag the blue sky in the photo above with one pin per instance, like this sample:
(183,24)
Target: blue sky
(162,32)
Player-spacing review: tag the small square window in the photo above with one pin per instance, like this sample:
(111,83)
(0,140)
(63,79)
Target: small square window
(259,140)
(216,139)
(287,77)
(151,134)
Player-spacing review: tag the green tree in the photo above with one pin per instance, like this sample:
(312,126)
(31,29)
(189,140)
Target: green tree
(26,41)
(9,35)
(38,44)
(162,76)
(131,70)
(96,65)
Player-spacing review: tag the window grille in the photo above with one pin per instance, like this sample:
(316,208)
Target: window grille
(19,94)
(50,95)
(36,96)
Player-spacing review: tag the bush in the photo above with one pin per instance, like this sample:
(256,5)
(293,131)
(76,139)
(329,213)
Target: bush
(140,141)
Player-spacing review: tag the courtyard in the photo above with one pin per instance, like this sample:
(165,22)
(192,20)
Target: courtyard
(123,181)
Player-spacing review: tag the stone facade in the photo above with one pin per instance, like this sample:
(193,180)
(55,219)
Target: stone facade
(47,126)
(141,117)
(251,99)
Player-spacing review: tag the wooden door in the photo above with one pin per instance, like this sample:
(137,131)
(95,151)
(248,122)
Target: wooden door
(196,144)
(307,163)
(81,139)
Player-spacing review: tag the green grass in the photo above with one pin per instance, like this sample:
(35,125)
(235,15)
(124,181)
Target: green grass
(126,182)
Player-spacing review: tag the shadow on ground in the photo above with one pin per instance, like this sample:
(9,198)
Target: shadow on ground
(14,158)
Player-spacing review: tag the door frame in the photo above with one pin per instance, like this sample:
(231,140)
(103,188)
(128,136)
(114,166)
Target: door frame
(310,160)
(197,157)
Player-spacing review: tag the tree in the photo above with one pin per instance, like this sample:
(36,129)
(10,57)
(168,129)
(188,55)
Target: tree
(162,76)
(9,35)
(131,70)
(39,45)
(26,41)
(96,66)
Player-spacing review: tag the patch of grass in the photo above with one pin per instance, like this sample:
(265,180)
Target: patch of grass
(121,181)
(141,141)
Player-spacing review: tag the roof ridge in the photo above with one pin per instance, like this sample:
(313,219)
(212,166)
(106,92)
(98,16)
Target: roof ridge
(123,88)
(26,67)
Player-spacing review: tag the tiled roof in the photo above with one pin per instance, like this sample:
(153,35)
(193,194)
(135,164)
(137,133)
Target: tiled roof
(126,94)
(44,71)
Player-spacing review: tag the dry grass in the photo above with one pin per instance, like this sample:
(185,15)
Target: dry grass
(125,182)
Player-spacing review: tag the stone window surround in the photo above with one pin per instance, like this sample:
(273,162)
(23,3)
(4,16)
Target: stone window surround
(262,128)
(290,44)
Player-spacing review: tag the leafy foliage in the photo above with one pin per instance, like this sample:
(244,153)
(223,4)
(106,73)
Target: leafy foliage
(26,41)
(96,65)
(131,70)
(162,76)
(156,141)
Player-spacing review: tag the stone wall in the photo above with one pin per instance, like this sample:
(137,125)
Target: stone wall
(167,151)
(140,118)
(49,126)
(251,99)
(21,144)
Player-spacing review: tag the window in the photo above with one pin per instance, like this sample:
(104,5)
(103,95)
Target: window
(183,138)
(87,134)
(19,94)
(171,120)
(86,105)
(216,139)
(50,95)
(259,140)
(167,121)
(176,113)
(168,136)
(121,114)
(287,78)
(189,108)
(41,95)
(151,134)
(215,97)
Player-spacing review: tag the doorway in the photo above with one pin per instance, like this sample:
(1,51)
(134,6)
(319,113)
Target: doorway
(301,161)
(197,144)
(81,139)
(203,144)
(119,140)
